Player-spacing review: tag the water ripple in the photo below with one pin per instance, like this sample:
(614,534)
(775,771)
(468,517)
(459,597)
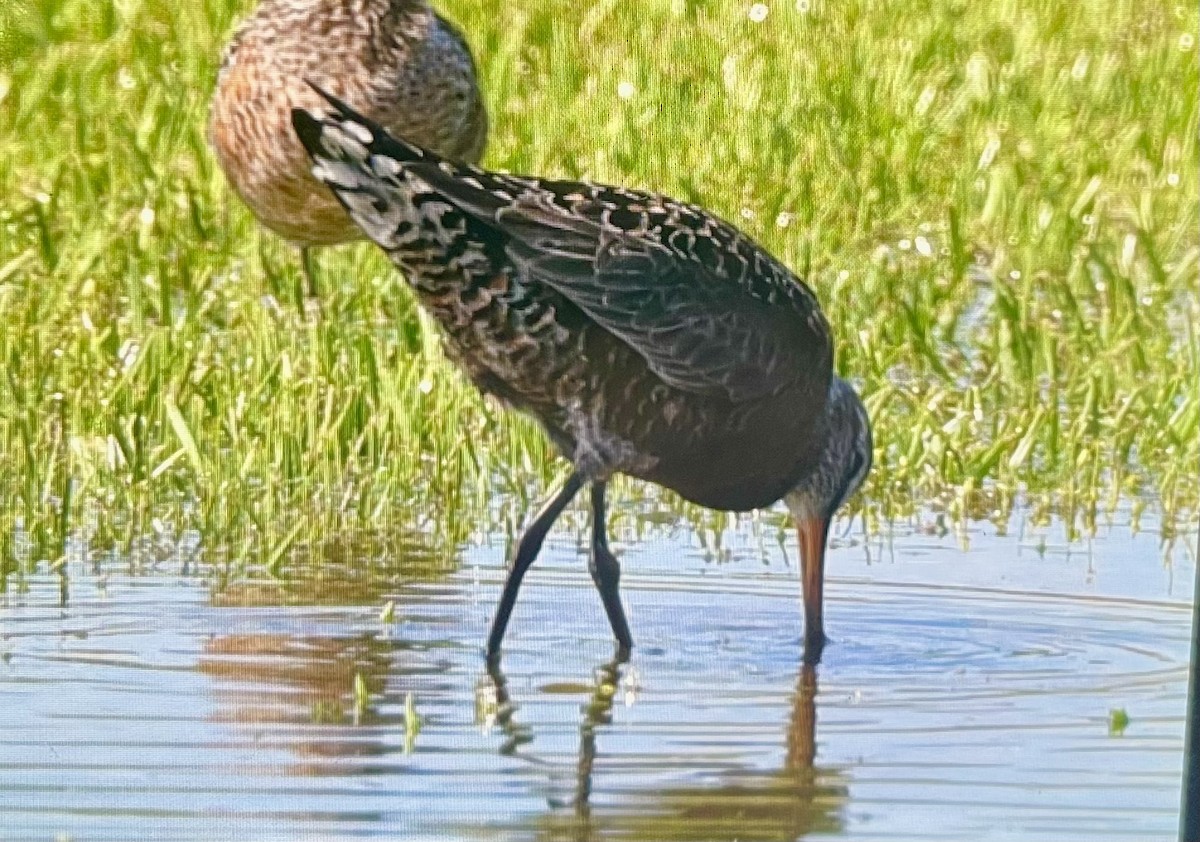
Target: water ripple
(947,707)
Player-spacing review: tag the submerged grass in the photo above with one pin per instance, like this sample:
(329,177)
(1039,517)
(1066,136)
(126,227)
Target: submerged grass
(996,203)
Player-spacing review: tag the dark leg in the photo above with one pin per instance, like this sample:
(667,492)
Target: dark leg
(310,271)
(606,573)
(527,550)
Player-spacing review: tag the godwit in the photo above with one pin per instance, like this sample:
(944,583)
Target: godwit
(647,336)
(397,61)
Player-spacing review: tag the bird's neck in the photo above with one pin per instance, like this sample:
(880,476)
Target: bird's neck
(832,439)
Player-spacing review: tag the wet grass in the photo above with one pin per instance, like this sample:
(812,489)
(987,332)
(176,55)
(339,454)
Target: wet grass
(997,204)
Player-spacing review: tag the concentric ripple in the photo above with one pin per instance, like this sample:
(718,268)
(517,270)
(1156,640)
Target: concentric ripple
(966,695)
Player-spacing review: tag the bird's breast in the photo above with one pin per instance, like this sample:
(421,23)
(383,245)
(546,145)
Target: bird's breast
(711,451)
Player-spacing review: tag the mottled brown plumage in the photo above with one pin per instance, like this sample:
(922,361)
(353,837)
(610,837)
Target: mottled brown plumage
(646,335)
(397,61)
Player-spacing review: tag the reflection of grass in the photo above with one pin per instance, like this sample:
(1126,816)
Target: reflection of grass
(996,204)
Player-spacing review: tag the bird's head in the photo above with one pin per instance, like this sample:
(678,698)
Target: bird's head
(841,469)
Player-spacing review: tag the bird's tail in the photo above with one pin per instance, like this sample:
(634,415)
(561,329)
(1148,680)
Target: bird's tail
(365,167)
(343,133)
(384,183)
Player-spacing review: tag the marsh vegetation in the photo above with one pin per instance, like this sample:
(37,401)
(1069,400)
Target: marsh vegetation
(996,204)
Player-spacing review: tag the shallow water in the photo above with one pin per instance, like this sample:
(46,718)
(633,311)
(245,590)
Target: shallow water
(965,695)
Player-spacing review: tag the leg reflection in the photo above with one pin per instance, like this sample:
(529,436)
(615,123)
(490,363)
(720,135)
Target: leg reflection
(500,708)
(802,726)
(748,803)
(735,801)
(596,713)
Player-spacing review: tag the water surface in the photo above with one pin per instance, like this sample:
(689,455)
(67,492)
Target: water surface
(966,695)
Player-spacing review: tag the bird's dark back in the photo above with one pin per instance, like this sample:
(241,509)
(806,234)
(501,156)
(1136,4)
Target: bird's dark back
(648,336)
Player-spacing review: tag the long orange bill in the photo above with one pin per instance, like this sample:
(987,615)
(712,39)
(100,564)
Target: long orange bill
(813,532)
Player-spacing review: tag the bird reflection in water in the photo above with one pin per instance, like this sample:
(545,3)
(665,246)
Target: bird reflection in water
(789,803)
(296,687)
(265,681)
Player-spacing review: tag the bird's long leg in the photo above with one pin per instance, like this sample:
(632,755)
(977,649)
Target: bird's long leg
(527,550)
(310,270)
(606,572)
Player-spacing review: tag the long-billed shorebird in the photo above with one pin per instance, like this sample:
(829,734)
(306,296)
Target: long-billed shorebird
(396,61)
(647,336)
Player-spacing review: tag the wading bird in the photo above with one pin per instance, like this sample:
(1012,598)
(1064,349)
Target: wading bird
(647,336)
(397,61)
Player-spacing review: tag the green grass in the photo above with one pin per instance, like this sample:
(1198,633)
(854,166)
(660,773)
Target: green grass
(997,204)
